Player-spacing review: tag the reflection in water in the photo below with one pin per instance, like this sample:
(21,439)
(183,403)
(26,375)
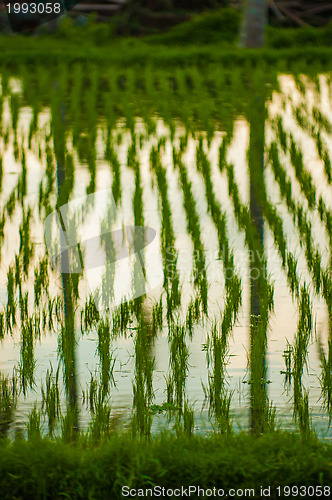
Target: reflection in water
(258,273)
(165,333)
(67,340)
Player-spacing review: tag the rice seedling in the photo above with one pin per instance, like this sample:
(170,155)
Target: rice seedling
(41,280)
(89,315)
(67,353)
(112,158)
(107,361)
(157,316)
(296,362)
(182,92)
(322,120)
(26,248)
(139,271)
(69,425)
(100,426)
(15,108)
(51,399)
(327,166)
(304,332)
(302,118)
(302,412)
(127,106)
(11,204)
(8,402)
(1,112)
(281,134)
(188,419)
(11,300)
(222,153)
(27,364)
(303,176)
(45,193)
(90,108)
(22,181)
(23,302)
(76,103)
(326,376)
(143,393)
(216,392)
(34,423)
(1,172)
(202,104)
(179,367)
(288,356)
(121,318)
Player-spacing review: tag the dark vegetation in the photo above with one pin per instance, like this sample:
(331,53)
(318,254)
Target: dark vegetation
(44,469)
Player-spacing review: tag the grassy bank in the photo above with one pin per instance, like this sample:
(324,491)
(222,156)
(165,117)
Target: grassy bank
(207,38)
(136,54)
(45,469)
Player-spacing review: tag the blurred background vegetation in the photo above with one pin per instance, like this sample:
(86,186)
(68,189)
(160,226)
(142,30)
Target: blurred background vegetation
(183,22)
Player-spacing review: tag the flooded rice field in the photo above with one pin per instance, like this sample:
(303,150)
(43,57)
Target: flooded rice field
(165,252)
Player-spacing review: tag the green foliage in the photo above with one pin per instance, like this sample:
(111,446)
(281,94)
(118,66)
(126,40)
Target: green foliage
(216,27)
(299,37)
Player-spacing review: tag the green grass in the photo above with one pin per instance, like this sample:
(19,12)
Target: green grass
(44,469)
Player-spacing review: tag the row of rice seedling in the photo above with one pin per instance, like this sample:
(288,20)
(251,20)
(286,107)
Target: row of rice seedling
(171,274)
(111,157)
(139,271)
(203,102)
(51,399)
(143,382)
(322,121)
(250,220)
(216,391)
(261,307)
(299,355)
(76,105)
(303,176)
(90,104)
(100,426)
(45,191)
(193,226)
(15,109)
(106,358)
(262,289)
(177,403)
(70,282)
(27,364)
(218,216)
